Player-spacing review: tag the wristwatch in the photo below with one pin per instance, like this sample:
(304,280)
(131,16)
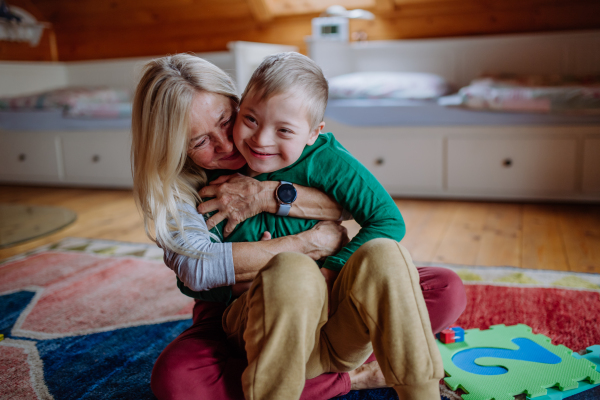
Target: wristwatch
(285,194)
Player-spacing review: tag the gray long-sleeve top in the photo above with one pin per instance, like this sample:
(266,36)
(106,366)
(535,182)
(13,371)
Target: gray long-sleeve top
(200,274)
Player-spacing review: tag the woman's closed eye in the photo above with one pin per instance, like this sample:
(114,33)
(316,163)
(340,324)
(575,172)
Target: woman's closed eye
(227,122)
(201,142)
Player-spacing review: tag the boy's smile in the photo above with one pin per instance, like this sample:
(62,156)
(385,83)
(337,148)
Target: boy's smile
(271,134)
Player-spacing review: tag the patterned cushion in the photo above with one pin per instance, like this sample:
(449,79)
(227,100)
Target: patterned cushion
(533,93)
(97,102)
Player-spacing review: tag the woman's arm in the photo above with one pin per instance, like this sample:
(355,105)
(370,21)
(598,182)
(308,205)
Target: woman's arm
(325,239)
(238,197)
(227,263)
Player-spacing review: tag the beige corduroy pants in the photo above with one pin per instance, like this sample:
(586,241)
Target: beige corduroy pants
(376,306)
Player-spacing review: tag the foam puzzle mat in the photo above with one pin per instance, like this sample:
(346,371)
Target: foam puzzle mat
(505,361)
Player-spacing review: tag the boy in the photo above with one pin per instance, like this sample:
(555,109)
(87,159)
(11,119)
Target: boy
(278,131)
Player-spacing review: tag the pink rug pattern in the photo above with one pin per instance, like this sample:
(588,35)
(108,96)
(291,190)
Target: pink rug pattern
(81,287)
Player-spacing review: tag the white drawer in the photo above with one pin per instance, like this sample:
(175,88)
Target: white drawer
(591,166)
(512,166)
(28,157)
(402,165)
(97,157)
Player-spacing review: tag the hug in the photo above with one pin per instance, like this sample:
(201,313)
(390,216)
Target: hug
(246,196)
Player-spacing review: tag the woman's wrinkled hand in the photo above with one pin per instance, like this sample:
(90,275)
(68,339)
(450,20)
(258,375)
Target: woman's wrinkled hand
(235,198)
(240,287)
(326,238)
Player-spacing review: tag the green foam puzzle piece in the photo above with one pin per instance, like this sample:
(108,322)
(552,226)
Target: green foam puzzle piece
(531,378)
(594,356)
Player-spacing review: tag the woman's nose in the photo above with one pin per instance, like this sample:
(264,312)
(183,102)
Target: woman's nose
(224,143)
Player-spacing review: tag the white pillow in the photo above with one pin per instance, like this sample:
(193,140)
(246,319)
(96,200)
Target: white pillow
(387,85)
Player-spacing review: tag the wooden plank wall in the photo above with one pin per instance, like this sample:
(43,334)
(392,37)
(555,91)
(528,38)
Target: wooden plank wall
(100,29)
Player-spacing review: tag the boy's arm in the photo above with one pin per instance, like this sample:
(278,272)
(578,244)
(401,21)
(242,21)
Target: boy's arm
(339,174)
(237,197)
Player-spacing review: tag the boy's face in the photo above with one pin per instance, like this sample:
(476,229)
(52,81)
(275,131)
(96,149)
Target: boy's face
(271,134)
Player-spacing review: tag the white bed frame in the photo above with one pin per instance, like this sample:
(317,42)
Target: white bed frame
(542,162)
(98,158)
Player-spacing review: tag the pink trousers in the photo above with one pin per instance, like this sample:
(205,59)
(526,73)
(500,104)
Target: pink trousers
(200,364)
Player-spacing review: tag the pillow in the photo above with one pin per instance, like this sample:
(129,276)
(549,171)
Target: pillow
(387,85)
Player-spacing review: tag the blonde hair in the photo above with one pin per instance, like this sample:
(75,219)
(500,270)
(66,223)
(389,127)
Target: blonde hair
(281,72)
(163,175)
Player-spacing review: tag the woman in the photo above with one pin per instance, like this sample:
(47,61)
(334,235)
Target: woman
(182,100)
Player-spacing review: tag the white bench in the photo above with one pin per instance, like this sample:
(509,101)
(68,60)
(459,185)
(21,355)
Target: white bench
(95,157)
(551,159)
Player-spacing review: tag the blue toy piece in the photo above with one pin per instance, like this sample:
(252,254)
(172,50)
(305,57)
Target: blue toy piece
(554,394)
(459,334)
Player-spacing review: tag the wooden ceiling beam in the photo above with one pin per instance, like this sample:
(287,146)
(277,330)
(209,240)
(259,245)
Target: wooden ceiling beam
(150,14)
(149,17)
(294,7)
(260,10)
(384,6)
(435,8)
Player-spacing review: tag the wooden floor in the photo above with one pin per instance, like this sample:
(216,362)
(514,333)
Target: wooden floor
(541,236)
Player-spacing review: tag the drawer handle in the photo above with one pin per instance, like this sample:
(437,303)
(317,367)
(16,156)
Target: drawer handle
(507,163)
(95,158)
(22,157)
(380,161)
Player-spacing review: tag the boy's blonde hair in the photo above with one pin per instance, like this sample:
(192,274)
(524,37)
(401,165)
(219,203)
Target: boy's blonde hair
(281,72)
(163,175)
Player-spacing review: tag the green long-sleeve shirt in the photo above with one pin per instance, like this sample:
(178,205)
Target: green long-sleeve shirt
(328,166)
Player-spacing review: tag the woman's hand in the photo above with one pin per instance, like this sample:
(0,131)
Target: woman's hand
(326,238)
(237,198)
(240,287)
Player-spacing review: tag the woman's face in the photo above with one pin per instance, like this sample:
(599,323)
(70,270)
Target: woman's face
(211,126)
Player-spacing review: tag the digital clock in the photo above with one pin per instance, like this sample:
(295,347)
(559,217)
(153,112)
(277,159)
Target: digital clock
(330,28)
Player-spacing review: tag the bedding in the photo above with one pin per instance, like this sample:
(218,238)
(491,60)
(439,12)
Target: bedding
(75,102)
(55,120)
(387,85)
(394,112)
(531,93)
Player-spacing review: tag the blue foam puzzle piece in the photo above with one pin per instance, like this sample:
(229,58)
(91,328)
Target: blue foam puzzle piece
(528,351)
(554,394)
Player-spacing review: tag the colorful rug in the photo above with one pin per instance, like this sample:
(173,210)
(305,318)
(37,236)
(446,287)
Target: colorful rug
(86,319)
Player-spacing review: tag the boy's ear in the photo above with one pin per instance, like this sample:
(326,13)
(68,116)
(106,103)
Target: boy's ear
(314,134)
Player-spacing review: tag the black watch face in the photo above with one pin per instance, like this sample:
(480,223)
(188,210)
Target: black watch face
(286,193)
